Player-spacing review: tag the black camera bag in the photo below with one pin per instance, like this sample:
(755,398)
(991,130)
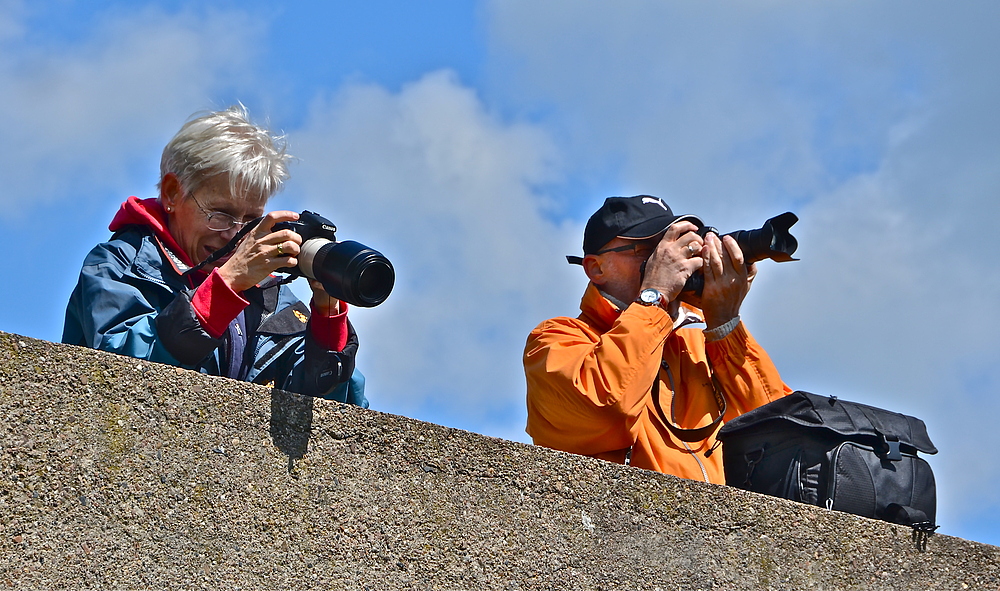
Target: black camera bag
(835,454)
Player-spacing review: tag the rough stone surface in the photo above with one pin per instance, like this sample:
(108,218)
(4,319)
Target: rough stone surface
(121,474)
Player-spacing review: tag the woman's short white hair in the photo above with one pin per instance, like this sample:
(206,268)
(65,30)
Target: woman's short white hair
(226,142)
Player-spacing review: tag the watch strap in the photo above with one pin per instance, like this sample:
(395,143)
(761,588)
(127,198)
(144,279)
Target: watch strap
(659,301)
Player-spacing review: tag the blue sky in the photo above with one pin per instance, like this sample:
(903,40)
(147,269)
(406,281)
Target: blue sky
(469,141)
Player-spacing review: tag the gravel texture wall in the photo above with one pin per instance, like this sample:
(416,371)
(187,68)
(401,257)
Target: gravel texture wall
(121,474)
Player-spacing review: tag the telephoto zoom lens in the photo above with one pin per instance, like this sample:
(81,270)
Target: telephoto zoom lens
(770,241)
(348,270)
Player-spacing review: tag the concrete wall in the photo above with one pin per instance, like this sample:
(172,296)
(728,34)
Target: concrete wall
(116,473)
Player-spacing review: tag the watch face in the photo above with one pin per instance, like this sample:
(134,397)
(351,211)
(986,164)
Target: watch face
(650,296)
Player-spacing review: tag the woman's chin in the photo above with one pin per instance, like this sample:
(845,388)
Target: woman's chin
(206,252)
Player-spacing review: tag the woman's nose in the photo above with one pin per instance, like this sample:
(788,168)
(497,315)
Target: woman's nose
(228,234)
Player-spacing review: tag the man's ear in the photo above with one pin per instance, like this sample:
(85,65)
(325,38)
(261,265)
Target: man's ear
(594,269)
(171,192)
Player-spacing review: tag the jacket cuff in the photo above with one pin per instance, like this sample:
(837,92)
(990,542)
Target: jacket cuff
(182,333)
(733,347)
(330,332)
(655,317)
(216,304)
(325,369)
(722,331)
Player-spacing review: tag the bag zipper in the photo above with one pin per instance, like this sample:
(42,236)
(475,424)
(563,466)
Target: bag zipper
(831,487)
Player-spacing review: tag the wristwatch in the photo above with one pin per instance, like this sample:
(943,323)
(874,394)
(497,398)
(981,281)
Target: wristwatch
(650,297)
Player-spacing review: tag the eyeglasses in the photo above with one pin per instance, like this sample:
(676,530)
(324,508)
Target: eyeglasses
(643,249)
(218,221)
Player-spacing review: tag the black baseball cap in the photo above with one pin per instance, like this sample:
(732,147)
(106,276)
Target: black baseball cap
(641,216)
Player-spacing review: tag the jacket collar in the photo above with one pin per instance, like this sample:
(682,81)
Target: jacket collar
(149,213)
(597,309)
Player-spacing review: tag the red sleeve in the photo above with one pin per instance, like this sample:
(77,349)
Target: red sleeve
(330,331)
(216,304)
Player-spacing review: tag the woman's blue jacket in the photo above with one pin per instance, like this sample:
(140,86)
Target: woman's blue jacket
(131,299)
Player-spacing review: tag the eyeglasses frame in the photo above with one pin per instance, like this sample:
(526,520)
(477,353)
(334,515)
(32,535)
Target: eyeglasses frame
(215,214)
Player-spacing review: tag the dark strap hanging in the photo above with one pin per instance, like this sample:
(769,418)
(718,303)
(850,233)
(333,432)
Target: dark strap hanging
(228,248)
(688,435)
(231,246)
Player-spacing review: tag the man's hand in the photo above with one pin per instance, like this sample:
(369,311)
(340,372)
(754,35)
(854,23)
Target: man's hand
(261,252)
(727,280)
(674,260)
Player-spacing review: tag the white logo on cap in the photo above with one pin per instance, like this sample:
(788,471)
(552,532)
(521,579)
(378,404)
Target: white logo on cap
(657,201)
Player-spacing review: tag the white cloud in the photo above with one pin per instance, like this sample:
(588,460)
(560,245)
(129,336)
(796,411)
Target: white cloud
(450,193)
(720,107)
(81,114)
(874,122)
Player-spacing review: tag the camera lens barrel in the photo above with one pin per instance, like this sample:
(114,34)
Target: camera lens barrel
(348,270)
(771,241)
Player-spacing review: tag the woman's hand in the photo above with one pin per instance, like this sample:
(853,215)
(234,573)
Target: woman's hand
(261,252)
(323,302)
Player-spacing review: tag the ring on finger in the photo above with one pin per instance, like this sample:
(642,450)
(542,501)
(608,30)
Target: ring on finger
(281,251)
(691,249)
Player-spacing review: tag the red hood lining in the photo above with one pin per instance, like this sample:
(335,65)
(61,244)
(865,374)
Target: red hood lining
(148,213)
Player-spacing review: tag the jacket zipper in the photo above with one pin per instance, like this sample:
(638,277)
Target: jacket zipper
(704,474)
(673,392)
(281,351)
(158,281)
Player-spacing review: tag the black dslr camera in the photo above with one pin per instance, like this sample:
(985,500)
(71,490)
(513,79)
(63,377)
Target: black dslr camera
(770,241)
(348,270)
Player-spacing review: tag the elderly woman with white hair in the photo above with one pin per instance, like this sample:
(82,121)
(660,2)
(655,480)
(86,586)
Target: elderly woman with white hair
(148,292)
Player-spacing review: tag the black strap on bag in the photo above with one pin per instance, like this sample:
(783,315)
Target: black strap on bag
(891,441)
(841,455)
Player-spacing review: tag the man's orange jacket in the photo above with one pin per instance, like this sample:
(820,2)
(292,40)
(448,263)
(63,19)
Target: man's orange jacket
(590,384)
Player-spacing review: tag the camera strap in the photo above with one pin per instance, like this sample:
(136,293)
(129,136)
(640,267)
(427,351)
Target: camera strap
(228,248)
(688,435)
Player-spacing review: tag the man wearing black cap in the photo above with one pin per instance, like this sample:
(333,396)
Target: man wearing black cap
(627,380)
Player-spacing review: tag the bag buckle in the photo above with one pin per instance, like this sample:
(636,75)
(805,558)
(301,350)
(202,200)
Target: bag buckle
(893,455)
(752,458)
